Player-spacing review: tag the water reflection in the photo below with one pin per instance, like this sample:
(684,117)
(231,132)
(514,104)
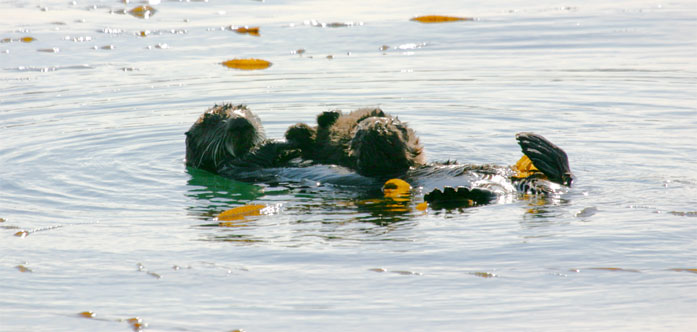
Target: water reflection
(543,208)
(212,192)
(302,211)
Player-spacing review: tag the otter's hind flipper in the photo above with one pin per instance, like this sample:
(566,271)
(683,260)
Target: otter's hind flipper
(547,157)
(462,197)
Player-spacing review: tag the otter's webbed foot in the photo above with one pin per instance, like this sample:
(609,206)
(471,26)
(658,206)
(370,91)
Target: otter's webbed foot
(548,158)
(462,197)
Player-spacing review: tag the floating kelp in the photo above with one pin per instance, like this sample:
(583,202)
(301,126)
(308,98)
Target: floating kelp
(136,323)
(143,12)
(397,189)
(484,274)
(23,40)
(254,31)
(684,270)
(23,268)
(241,212)
(439,19)
(87,314)
(247,64)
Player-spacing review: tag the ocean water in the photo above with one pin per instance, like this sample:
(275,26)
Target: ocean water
(100,214)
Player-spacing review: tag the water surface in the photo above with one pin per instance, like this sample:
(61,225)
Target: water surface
(93,117)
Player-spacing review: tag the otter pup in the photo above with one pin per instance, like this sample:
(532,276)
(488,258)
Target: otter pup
(231,135)
(366,140)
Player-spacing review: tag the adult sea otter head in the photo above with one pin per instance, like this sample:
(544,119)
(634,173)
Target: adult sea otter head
(384,146)
(222,133)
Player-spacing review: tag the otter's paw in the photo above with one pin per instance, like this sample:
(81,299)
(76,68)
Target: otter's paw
(449,197)
(326,119)
(301,135)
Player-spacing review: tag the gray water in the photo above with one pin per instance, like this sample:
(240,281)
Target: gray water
(93,116)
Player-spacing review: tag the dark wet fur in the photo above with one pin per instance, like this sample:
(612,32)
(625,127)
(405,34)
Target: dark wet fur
(227,134)
(367,140)
(229,139)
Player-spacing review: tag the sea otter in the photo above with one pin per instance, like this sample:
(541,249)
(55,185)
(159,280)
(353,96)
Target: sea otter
(229,135)
(375,144)
(366,140)
(229,140)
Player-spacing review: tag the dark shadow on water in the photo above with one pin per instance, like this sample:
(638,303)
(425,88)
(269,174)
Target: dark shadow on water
(210,193)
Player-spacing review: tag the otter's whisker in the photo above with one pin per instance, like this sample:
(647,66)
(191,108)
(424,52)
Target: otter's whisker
(208,147)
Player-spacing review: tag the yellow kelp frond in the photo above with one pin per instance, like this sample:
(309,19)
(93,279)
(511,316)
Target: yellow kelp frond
(247,64)
(524,167)
(439,19)
(144,11)
(396,188)
(241,211)
(254,31)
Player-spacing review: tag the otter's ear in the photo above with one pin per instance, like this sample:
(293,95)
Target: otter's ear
(328,118)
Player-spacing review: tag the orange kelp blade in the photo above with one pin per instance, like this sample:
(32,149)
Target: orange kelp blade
(524,167)
(247,64)
(254,31)
(241,212)
(142,11)
(439,19)
(396,189)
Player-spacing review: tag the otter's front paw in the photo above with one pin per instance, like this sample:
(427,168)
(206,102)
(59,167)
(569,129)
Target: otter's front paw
(326,119)
(301,136)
